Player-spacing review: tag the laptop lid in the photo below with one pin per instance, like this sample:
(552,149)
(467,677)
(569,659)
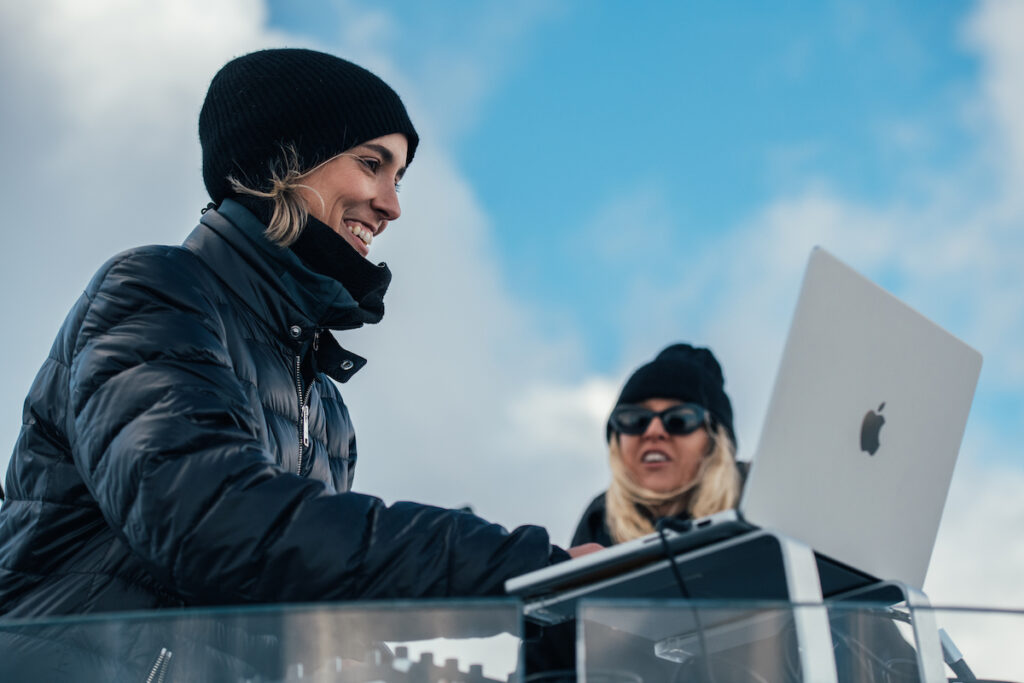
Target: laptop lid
(863,427)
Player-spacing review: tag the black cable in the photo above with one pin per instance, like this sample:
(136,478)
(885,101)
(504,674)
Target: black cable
(685,525)
(660,527)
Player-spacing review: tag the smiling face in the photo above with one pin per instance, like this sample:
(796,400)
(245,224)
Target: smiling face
(659,461)
(356,192)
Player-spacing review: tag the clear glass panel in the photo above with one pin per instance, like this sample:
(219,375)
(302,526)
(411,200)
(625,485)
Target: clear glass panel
(686,641)
(480,642)
(427,641)
(755,642)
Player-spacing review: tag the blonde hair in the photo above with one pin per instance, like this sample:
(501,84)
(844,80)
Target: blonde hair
(291,211)
(715,487)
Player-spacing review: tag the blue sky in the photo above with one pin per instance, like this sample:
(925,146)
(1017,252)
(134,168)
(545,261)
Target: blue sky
(596,180)
(706,114)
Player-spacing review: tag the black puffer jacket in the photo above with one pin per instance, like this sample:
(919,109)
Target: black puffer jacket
(160,460)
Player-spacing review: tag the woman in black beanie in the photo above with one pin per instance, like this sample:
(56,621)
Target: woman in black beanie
(184,443)
(671,448)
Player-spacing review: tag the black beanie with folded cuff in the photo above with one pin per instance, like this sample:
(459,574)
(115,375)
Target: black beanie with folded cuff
(260,104)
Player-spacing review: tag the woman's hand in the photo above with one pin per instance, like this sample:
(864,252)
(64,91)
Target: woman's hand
(585,549)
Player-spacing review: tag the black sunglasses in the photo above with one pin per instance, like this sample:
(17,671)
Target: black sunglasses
(678,420)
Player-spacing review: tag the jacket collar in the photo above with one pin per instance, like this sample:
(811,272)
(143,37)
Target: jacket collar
(293,300)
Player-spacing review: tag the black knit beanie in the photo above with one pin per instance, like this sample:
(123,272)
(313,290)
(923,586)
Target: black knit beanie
(320,104)
(682,372)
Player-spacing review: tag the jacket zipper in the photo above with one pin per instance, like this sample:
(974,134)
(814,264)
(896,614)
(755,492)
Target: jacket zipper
(304,410)
(159,670)
(304,403)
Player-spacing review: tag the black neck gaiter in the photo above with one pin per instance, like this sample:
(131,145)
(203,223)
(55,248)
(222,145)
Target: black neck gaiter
(326,252)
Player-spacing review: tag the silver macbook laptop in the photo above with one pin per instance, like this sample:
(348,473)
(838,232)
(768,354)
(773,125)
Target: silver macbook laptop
(855,459)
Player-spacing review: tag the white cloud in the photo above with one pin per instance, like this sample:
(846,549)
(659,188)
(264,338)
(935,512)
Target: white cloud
(458,370)
(994,31)
(464,402)
(100,108)
(565,418)
(978,556)
(978,560)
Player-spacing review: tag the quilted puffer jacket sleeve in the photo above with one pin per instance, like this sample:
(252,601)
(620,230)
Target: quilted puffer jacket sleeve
(166,443)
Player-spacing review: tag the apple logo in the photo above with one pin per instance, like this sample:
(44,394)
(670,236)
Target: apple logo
(869,430)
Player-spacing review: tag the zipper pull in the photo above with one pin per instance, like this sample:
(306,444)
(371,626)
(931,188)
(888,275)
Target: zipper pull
(305,426)
(316,339)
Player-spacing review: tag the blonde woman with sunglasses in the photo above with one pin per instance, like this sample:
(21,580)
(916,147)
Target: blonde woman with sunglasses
(671,449)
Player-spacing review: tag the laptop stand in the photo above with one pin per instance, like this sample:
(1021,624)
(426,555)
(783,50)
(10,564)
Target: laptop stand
(799,567)
(789,560)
